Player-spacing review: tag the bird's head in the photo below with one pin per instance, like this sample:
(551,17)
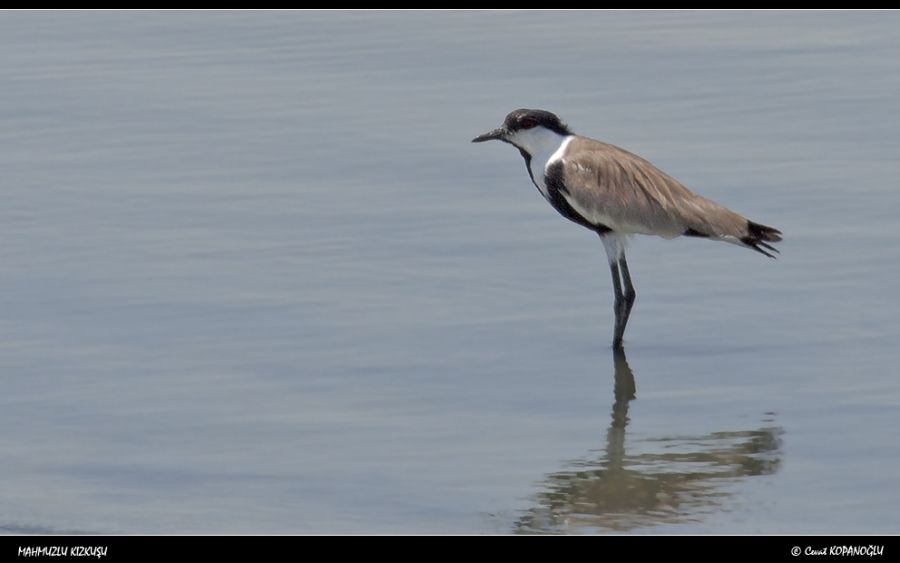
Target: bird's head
(527,129)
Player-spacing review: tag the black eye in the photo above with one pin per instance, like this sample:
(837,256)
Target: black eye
(528,123)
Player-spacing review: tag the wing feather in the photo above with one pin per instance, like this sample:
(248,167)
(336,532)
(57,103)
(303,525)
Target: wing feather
(613,187)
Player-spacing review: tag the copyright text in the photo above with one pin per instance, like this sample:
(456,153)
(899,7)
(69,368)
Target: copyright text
(840,550)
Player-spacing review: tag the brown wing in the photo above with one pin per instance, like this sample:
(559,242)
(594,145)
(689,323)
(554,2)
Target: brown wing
(613,187)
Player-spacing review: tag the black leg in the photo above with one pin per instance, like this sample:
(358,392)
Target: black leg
(618,267)
(629,292)
(618,306)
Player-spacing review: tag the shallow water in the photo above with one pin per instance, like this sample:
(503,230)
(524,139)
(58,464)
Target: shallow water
(256,279)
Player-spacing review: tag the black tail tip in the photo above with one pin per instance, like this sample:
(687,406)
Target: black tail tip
(762,232)
(759,236)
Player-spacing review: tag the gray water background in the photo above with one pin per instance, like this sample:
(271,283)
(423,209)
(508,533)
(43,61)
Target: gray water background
(254,277)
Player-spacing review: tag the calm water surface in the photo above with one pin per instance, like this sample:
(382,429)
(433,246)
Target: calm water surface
(255,278)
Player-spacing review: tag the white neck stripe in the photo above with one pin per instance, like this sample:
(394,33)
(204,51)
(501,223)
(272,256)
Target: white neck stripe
(546,154)
(559,152)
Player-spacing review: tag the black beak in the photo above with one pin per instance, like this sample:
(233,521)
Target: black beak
(497,134)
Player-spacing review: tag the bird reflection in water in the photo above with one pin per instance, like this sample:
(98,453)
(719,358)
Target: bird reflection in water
(669,480)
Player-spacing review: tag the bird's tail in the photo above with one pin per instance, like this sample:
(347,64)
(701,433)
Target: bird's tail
(758,236)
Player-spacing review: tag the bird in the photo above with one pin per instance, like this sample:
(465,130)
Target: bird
(616,194)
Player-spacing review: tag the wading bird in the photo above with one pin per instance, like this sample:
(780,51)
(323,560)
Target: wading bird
(616,193)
